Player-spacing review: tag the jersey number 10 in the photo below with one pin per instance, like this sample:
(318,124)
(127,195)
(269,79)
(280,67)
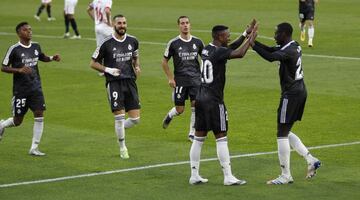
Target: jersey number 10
(206,69)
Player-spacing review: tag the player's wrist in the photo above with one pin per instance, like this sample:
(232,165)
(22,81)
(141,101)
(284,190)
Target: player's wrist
(245,34)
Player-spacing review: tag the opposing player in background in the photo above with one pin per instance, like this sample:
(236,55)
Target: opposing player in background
(292,101)
(69,12)
(21,60)
(211,113)
(118,57)
(306,15)
(44,4)
(185,81)
(100,12)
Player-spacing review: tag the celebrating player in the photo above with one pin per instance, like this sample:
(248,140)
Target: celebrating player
(185,50)
(306,15)
(21,60)
(292,102)
(118,57)
(211,113)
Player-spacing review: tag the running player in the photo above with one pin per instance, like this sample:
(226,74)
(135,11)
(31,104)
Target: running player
(306,16)
(185,50)
(21,60)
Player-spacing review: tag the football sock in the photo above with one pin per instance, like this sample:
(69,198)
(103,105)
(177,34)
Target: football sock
(223,155)
(48,10)
(74,26)
(192,122)
(173,113)
(311,32)
(37,131)
(41,8)
(67,22)
(120,129)
(284,155)
(195,152)
(299,147)
(8,123)
(130,122)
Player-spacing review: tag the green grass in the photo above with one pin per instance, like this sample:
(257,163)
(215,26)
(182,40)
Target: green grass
(79,135)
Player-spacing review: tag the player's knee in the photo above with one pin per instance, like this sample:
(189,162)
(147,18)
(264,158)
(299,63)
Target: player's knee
(179,110)
(18,121)
(135,120)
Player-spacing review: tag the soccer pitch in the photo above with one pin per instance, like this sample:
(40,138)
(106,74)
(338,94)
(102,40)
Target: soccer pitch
(83,160)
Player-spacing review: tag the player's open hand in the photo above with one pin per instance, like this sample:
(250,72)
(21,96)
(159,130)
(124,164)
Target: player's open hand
(172,83)
(250,27)
(25,70)
(112,71)
(56,57)
(253,35)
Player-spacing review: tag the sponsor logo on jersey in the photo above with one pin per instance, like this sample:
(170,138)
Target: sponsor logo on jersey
(180,48)
(114,49)
(22,55)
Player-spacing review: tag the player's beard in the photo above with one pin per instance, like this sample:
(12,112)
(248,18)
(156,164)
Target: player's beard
(118,31)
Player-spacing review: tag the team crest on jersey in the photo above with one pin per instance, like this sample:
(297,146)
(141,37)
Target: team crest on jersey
(36,52)
(194,46)
(130,47)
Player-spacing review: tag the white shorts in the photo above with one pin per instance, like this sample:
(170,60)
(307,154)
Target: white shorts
(69,7)
(102,31)
(46,1)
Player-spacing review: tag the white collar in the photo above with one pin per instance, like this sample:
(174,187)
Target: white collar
(286,45)
(21,44)
(118,39)
(184,39)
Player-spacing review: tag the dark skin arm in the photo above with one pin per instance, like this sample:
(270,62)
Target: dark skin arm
(26,69)
(237,43)
(266,52)
(240,52)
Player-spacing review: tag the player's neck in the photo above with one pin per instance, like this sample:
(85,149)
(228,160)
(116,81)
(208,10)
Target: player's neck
(185,36)
(119,37)
(25,42)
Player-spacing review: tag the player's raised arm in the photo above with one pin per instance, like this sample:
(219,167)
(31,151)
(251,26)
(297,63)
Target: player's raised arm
(240,52)
(236,43)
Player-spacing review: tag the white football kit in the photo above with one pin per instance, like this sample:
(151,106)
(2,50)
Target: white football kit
(69,7)
(102,29)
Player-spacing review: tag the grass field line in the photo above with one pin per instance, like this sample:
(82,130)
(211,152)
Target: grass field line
(163,44)
(158,166)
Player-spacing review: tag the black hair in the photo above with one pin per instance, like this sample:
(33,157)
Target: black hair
(285,28)
(119,15)
(182,17)
(21,24)
(218,29)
